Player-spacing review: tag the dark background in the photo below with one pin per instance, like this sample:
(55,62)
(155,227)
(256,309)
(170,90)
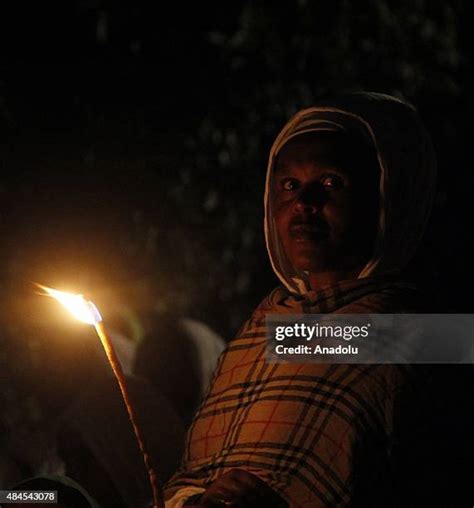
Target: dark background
(134,138)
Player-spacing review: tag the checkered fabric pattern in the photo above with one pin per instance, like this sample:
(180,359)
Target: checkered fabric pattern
(311,431)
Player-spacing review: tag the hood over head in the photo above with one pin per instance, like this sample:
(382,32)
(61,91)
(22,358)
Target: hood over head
(407,177)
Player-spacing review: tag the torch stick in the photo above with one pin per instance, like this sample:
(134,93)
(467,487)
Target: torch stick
(87,312)
(117,369)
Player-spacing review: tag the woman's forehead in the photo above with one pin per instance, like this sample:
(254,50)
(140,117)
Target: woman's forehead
(323,149)
(312,147)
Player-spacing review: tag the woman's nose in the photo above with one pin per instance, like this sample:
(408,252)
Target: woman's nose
(310,199)
(304,207)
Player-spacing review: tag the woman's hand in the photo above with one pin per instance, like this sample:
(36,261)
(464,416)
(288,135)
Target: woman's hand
(240,489)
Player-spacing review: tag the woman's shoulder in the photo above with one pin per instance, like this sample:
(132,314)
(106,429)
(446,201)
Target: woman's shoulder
(391,297)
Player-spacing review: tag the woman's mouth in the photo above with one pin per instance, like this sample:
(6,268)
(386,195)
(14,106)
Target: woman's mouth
(303,232)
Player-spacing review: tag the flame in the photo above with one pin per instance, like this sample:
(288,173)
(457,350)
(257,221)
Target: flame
(82,309)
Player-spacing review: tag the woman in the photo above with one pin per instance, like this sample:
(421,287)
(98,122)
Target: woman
(349,188)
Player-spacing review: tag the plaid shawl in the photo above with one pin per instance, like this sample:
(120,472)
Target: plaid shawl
(318,434)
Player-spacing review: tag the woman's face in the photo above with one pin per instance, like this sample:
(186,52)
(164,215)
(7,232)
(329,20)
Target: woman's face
(326,202)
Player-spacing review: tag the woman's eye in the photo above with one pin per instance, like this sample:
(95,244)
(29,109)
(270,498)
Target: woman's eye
(332,181)
(289,184)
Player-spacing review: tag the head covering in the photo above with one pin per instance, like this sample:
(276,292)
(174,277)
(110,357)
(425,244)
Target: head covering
(407,177)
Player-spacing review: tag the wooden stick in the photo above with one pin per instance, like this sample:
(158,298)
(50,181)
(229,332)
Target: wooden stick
(158,501)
